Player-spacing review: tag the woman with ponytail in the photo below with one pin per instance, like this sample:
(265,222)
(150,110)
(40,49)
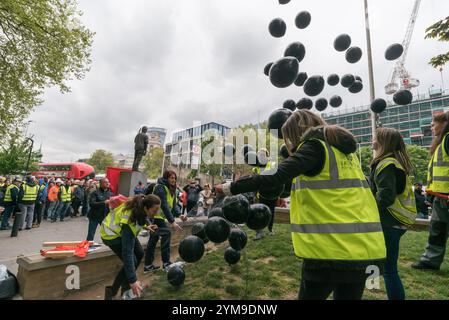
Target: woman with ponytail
(119,232)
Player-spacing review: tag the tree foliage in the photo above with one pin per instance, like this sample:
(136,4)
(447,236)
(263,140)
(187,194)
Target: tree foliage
(152,162)
(42,44)
(439,31)
(100,159)
(14,154)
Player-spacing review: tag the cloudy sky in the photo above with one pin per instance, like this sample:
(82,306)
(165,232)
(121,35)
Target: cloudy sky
(169,63)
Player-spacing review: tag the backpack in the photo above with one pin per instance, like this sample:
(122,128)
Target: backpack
(150,188)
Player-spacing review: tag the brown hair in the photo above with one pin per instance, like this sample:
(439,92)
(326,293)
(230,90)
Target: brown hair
(296,125)
(166,175)
(438,139)
(137,203)
(391,144)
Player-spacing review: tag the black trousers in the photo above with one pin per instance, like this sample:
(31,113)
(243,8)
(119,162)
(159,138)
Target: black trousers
(163,232)
(120,280)
(76,204)
(272,205)
(138,155)
(314,290)
(37,216)
(190,205)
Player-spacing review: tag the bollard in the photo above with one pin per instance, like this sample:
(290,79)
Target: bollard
(16,224)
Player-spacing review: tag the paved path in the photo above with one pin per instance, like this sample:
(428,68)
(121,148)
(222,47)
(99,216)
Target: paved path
(30,241)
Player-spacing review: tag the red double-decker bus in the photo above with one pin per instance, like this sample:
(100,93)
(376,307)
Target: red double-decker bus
(76,170)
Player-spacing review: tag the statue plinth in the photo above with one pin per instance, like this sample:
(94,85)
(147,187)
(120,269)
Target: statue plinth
(128,181)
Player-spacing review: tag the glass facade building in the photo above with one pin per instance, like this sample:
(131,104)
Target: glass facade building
(413,120)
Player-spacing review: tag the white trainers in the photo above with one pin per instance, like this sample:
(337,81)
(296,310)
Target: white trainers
(259,235)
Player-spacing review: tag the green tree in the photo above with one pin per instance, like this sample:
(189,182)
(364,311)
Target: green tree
(14,154)
(42,44)
(420,160)
(152,162)
(100,159)
(365,155)
(440,31)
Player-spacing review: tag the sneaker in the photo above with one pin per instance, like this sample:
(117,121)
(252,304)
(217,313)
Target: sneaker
(271,233)
(424,266)
(150,268)
(53,221)
(166,265)
(259,235)
(27,228)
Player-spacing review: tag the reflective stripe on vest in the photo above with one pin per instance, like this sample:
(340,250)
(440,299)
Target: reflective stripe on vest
(29,193)
(334,215)
(404,207)
(170,199)
(111,227)
(8,197)
(66,194)
(438,170)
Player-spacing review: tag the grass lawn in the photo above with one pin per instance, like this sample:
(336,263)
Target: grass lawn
(269,269)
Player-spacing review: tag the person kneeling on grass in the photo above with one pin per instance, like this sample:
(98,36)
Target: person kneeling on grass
(119,232)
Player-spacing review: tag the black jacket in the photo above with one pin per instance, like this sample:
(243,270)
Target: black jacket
(385,187)
(309,160)
(420,199)
(159,190)
(98,207)
(193,193)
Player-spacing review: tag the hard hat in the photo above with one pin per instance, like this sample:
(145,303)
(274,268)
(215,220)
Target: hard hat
(59,180)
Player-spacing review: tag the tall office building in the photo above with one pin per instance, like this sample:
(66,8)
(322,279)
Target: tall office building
(156,137)
(413,120)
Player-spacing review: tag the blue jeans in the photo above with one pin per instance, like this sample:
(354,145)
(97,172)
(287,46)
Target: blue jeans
(93,224)
(62,209)
(393,283)
(52,209)
(6,214)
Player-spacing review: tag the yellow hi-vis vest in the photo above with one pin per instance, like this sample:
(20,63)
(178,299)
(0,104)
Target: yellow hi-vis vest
(66,194)
(334,215)
(438,173)
(29,193)
(8,197)
(111,227)
(170,200)
(404,207)
(258,170)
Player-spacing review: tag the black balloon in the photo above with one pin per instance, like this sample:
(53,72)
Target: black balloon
(347,80)
(353,55)
(266,70)
(289,104)
(284,72)
(303,19)
(216,212)
(191,249)
(297,50)
(277,119)
(236,208)
(283,152)
(271,192)
(217,229)
(394,51)
(314,86)
(252,159)
(403,97)
(284,1)
(176,276)
(259,217)
(277,28)
(247,148)
(378,105)
(333,79)
(356,87)
(321,104)
(237,239)
(305,103)
(335,101)
(199,231)
(342,42)
(300,79)
(232,256)
(358,78)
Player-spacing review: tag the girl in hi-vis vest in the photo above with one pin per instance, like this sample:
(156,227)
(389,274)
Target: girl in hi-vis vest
(392,188)
(119,231)
(334,220)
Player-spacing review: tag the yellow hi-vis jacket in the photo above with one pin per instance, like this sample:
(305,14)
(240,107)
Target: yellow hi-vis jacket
(404,207)
(111,227)
(29,193)
(170,200)
(334,215)
(66,194)
(438,172)
(8,197)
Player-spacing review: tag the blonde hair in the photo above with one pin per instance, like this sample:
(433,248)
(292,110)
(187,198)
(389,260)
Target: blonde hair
(390,143)
(296,125)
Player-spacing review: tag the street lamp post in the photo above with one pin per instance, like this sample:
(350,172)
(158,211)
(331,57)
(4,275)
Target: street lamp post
(29,155)
(374,116)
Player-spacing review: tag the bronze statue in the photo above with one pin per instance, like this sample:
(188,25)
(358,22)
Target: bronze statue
(140,147)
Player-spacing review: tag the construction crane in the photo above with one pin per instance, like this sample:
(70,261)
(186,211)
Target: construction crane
(399,72)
